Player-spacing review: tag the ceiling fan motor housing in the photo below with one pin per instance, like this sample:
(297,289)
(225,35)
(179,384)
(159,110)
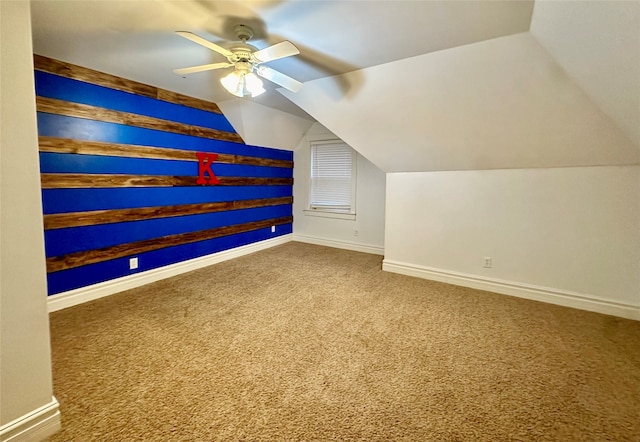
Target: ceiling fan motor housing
(243,32)
(241,52)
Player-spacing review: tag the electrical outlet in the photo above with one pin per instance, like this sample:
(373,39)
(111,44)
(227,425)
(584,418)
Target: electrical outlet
(486,262)
(133,263)
(273,229)
(355,233)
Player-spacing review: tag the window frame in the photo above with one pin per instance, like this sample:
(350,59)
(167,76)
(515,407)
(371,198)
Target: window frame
(329,212)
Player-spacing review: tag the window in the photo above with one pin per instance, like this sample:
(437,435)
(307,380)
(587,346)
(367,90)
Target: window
(333,178)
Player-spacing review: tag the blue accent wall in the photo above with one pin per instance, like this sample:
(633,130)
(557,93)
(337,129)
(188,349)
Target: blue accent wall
(60,242)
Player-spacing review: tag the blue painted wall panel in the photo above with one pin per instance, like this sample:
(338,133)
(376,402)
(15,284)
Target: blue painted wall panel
(67,89)
(71,127)
(95,273)
(79,200)
(65,163)
(76,239)
(60,242)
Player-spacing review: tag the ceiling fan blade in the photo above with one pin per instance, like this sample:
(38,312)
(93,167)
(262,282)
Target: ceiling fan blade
(279,50)
(206,43)
(279,78)
(203,67)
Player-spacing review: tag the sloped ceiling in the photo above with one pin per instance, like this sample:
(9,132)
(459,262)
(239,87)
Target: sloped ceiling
(501,103)
(598,45)
(264,126)
(136,39)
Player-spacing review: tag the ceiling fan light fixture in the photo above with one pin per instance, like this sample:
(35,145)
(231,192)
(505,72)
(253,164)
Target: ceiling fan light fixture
(234,83)
(253,84)
(242,83)
(248,61)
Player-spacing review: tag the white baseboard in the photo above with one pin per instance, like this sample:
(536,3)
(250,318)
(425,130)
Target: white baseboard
(364,248)
(520,290)
(85,294)
(33,426)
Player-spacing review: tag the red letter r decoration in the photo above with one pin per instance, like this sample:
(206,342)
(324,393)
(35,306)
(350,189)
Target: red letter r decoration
(204,167)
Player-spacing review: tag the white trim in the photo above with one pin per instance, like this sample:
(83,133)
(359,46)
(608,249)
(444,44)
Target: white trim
(364,248)
(33,426)
(327,214)
(520,290)
(85,294)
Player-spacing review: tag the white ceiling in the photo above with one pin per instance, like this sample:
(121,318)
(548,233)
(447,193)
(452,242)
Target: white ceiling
(136,39)
(497,104)
(598,44)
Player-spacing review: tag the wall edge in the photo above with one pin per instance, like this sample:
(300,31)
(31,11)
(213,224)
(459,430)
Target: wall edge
(356,247)
(85,294)
(34,426)
(511,288)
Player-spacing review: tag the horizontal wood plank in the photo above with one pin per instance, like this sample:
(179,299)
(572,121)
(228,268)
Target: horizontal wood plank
(77,259)
(185,100)
(87,75)
(86,147)
(78,110)
(256,161)
(97,180)
(96,217)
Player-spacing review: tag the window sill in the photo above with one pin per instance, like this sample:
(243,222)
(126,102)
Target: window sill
(335,215)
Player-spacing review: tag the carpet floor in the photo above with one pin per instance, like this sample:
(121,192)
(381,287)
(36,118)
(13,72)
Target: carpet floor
(308,343)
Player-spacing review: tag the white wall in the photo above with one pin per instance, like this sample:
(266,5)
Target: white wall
(565,235)
(370,197)
(25,365)
(501,150)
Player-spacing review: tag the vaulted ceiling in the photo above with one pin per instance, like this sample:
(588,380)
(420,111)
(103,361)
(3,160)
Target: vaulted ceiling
(412,85)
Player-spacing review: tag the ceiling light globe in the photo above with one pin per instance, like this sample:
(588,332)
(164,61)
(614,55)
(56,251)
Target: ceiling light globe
(234,83)
(253,84)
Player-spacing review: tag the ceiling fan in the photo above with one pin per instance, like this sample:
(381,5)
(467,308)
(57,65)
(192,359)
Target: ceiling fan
(248,61)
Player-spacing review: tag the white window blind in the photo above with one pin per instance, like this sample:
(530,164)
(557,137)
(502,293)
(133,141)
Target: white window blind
(332,177)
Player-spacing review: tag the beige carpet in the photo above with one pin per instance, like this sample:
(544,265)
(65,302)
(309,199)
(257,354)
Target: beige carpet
(307,343)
